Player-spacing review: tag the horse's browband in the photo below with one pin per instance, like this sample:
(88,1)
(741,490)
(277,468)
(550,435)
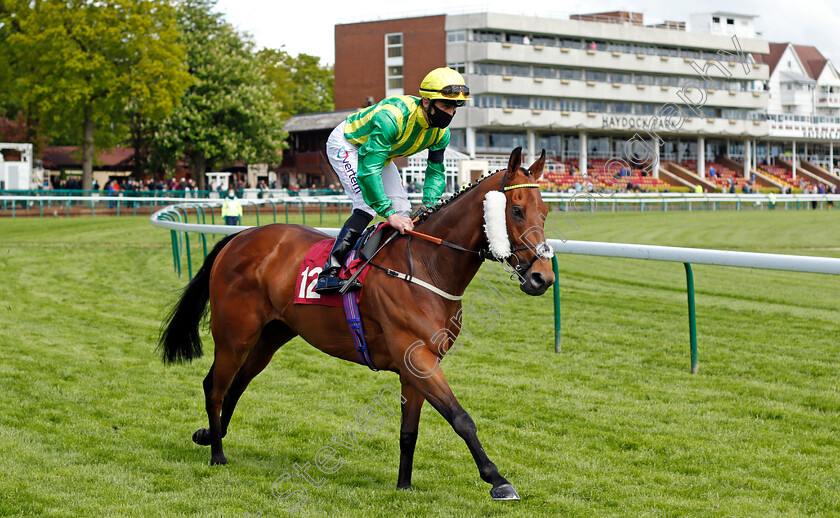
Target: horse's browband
(522,185)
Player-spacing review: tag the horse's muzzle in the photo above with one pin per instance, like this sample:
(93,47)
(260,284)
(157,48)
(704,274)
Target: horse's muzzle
(535,283)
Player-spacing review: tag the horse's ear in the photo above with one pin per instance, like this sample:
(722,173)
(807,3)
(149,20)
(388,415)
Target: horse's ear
(537,167)
(514,163)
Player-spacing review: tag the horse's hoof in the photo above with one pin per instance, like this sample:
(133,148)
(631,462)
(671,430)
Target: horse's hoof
(504,492)
(405,487)
(201,437)
(221,460)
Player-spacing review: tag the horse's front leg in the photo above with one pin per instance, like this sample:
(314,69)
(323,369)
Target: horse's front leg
(423,372)
(413,402)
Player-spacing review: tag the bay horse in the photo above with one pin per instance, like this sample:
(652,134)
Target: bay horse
(249,280)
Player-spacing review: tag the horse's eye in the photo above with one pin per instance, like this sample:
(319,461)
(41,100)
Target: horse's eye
(516,211)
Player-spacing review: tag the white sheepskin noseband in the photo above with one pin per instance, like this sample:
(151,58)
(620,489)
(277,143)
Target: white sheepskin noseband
(495,224)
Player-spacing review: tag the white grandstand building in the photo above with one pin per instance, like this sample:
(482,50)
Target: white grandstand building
(737,109)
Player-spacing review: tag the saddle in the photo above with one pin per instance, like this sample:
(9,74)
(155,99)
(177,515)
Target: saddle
(316,256)
(312,265)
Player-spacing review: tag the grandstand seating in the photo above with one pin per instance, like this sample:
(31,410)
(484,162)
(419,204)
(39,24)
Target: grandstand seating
(722,174)
(779,173)
(554,180)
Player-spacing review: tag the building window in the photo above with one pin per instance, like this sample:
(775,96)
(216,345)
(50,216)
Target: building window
(645,109)
(545,103)
(643,79)
(619,47)
(571,105)
(546,41)
(547,72)
(715,19)
(395,78)
(394,45)
(494,142)
(595,106)
(394,64)
(458,67)
(489,69)
(571,73)
(456,36)
(571,44)
(619,77)
(625,108)
(487,36)
(730,21)
(457,138)
(519,70)
(517,101)
(596,75)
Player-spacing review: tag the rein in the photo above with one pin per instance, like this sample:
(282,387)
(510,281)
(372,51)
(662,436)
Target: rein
(519,270)
(485,253)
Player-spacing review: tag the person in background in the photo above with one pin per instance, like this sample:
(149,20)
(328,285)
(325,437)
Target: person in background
(232,209)
(361,150)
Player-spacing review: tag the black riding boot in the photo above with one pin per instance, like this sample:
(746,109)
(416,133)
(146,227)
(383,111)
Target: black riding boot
(328,281)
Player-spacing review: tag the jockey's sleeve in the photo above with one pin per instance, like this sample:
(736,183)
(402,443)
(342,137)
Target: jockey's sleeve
(372,157)
(435,171)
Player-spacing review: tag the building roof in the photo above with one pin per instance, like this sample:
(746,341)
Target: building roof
(316,121)
(811,59)
(57,157)
(730,13)
(772,58)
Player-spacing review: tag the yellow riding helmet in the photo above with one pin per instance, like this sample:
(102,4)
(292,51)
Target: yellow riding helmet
(446,84)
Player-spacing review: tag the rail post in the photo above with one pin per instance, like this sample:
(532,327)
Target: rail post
(189,255)
(555,267)
(201,221)
(692,318)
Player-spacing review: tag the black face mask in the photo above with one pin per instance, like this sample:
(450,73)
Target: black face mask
(437,117)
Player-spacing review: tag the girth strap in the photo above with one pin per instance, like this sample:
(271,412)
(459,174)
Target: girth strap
(354,322)
(419,282)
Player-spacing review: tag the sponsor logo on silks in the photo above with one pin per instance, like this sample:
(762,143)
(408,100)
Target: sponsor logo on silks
(348,167)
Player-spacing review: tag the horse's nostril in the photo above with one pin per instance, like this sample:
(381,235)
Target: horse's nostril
(537,280)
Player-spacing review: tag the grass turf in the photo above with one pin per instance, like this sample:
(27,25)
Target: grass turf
(91,422)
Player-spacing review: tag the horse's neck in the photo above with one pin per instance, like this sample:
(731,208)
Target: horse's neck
(461,223)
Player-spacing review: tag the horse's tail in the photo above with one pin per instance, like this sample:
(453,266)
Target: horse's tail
(179,339)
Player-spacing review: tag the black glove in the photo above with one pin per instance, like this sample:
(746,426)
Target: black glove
(421,212)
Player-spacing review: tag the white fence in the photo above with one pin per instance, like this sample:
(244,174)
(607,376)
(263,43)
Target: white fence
(595,201)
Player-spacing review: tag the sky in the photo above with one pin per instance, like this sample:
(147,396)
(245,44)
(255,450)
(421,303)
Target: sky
(299,27)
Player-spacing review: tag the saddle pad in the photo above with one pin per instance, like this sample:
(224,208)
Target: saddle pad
(311,267)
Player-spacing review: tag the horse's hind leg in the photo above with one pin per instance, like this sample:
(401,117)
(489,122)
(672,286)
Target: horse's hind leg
(233,345)
(275,334)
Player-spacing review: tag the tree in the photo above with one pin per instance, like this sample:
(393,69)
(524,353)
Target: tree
(228,112)
(81,68)
(299,84)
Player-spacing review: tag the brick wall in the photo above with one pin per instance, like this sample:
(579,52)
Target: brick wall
(360,57)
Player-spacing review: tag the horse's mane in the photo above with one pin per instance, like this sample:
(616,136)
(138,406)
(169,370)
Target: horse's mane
(441,204)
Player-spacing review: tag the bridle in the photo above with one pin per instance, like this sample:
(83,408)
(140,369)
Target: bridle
(541,250)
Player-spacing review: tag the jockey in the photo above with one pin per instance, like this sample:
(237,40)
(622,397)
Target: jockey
(361,150)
